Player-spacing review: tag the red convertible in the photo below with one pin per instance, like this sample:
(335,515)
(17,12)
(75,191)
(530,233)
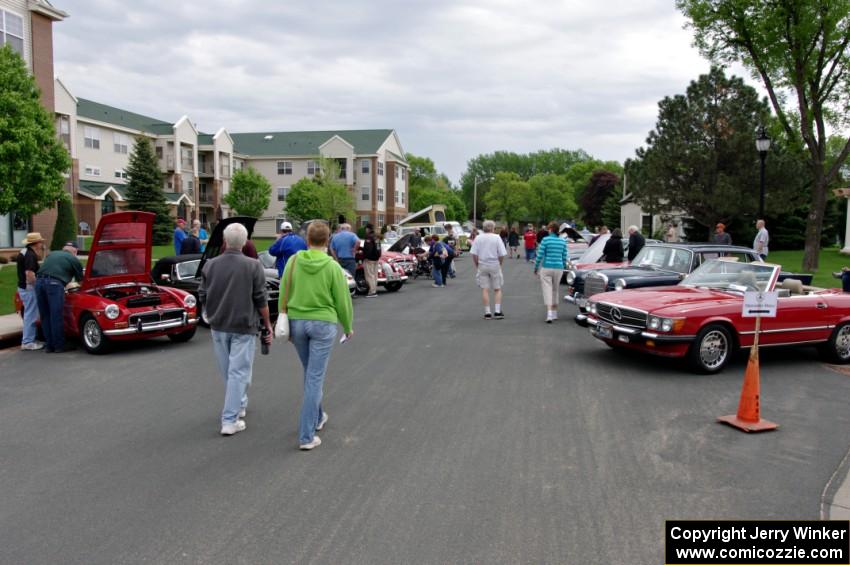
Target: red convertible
(700,319)
(116,300)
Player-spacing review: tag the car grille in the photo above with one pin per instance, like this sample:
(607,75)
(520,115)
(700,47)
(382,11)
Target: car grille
(139,301)
(595,283)
(156,316)
(621,316)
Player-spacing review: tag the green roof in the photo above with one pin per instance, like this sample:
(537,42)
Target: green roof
(123,118)
(205,139)
(95,189)
(306,143)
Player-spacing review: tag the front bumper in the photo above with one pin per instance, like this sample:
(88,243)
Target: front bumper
(625,334)
(153,327)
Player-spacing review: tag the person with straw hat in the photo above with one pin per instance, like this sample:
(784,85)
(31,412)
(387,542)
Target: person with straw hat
(27,261)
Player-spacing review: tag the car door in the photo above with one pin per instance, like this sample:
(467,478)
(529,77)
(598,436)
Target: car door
(799,318)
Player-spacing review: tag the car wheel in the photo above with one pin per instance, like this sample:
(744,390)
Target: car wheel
(361,287)
(202,316)
(91,336)
(837,349)
(711,349)
(183,336)
(393,286)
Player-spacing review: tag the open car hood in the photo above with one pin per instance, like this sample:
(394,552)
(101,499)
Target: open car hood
(216,242)
(403,241)
(120,250)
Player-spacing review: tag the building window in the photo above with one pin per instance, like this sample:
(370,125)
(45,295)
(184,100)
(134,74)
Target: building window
(63,127)
(364,166)
(364,193)
(92,136)
(120,142)
(380,195)
(403,174)
(12,31)
(398,172)
(121,174)
(313,168)
(380,169)
(158,150)
(343,167)
(92,171)
(380,220)
(365,220)
(282,193)
(284,167)
(107,205)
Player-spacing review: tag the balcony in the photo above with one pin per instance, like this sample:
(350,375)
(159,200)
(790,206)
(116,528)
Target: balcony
(206,199)
(206,169)
(225,171)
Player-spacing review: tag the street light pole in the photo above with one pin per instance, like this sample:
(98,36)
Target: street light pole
(763,146)
(475,203)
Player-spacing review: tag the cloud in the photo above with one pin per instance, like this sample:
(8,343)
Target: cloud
(454,78)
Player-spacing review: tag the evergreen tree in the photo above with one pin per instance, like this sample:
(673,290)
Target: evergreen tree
(66,223)
(611,216)
(144,190)
(32,159)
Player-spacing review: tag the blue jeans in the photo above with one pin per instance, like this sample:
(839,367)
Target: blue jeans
(313,340)
(235,356)
(349,264)
(50,294)
(437,273)
(30,313)
(529,255)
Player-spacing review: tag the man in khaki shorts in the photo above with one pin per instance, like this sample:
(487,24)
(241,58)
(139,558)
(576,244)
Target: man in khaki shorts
(488,252)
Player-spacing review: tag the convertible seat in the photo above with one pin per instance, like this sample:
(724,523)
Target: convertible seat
(747,278)
(794,286)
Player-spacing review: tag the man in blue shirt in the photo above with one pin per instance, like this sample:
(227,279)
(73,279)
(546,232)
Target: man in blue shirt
(179,235)
(344,248)
(287,245)
(202,234)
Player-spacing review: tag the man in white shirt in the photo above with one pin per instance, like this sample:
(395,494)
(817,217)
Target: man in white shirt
(761,240)
(488,252)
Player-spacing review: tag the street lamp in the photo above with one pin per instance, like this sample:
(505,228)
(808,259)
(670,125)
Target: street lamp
(763,146)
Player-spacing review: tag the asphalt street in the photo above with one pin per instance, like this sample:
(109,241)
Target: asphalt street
(451,440)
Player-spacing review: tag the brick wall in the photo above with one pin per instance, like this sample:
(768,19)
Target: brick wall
(42,58)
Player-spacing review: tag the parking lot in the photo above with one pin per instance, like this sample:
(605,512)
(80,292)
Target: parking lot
(451,439)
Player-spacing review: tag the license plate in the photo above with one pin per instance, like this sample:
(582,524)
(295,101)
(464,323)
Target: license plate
(604,331)
(581,302)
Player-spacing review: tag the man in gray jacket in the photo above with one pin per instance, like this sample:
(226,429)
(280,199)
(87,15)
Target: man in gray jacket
(233,295)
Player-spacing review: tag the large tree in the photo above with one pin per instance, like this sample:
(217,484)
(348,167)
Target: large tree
(144,189)
(799,51)
(321,197)
(303,202)
(507,198)
(32,159)
(250,193)
(699,157)
(600,187)
(426,187)
(550,197)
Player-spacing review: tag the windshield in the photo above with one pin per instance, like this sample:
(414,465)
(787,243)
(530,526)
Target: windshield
(109,262)
(267,260)
(666,258)
(188,269)
(732,275)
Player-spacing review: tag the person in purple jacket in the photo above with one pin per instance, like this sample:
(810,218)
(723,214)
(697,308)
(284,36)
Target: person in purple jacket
(287,245)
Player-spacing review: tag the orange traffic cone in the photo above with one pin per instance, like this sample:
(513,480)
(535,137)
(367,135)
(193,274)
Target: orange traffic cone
(747,418)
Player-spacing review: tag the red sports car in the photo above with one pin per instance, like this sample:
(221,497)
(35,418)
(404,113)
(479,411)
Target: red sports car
(116,300)
(701,318)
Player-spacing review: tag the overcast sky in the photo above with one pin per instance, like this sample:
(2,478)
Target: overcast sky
(454,78)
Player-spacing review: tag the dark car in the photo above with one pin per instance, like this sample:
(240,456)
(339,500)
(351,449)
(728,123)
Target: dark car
(184,271)
(657,264)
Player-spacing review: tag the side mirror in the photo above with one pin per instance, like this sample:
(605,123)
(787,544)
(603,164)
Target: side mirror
(165,277)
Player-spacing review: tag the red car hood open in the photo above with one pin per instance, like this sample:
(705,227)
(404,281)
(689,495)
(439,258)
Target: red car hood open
(682,299)
(120,250)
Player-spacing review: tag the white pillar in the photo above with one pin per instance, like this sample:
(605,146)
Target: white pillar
(846,249)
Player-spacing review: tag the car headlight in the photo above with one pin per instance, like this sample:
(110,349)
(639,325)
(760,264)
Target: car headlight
(619,284)
(654,323)
(571,277)
(591,307)
(666,325)
(112,311)
(190,301)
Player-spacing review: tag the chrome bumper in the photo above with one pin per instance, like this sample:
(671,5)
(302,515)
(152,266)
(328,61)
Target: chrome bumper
(155,327)
(587,322)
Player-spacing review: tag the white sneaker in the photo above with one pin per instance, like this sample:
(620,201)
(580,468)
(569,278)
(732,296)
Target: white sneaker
(235,428)
(243,412)
(32,346)
(317,441)
(322,422)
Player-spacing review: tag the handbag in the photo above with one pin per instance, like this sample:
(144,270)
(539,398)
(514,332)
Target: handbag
(281,326)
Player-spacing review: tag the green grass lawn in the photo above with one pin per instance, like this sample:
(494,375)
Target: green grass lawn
(830,260)
(8,273)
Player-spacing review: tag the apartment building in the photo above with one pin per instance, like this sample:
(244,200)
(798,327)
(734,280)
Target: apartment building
(27,26)
(371,165)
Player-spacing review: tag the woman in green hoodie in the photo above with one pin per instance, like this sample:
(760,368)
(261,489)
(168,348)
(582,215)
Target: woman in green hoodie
(318,299)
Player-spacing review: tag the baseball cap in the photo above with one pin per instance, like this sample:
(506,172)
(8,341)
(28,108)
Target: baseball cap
(286,226)
(181,221)
(71,244)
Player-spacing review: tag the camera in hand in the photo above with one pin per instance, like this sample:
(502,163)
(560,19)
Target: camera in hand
(264,347)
